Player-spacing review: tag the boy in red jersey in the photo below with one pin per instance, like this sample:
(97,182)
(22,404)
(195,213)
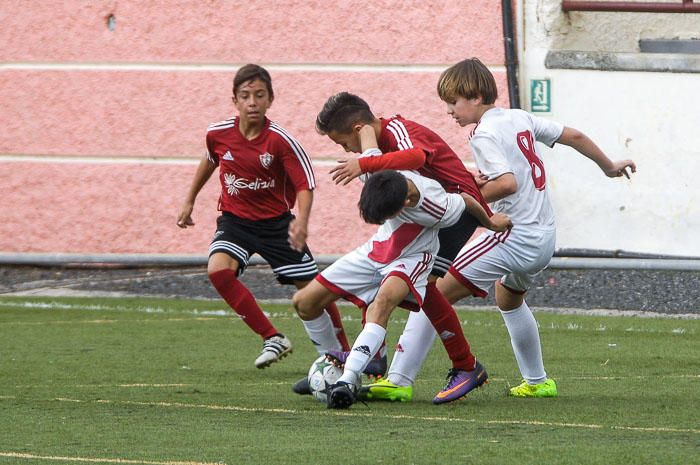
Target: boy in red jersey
(263,171)
(348,121)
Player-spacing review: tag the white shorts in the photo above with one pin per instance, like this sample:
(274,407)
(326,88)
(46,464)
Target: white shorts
(514,257)
(357,278)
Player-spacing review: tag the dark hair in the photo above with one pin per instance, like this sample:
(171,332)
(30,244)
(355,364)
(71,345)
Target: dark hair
(383,196)
(250,72)
(469,79)
(341,111)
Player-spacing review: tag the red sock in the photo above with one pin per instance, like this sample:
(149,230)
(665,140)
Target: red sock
(333,311)
(242,302)
(444,319)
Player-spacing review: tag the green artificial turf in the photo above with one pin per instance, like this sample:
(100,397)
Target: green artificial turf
(157,381)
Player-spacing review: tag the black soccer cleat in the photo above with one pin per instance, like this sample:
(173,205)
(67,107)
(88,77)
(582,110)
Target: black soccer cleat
(302,387)
(341,395)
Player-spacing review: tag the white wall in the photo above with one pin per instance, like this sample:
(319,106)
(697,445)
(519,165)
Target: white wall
(651,117)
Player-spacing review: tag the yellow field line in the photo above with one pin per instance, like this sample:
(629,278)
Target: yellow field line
(235,408)
(282,383)
(19,455)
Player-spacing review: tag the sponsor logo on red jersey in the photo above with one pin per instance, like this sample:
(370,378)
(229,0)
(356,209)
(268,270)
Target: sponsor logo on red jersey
(234,184)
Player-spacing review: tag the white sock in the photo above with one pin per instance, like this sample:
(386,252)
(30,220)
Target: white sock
(322,333)
(365,346)
(414,344)
(525,339)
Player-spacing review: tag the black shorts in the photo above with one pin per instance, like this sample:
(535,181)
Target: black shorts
(241,238)
(452,240)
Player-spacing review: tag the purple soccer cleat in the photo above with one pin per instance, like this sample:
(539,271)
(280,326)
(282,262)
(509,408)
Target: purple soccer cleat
(376,367)
(460,383)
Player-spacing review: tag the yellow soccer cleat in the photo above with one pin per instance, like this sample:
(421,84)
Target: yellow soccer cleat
(546,389)
(386,390)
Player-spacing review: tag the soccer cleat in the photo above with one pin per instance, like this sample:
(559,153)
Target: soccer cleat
(341,395)
(302,387)
(274,348)
(546,389)
(386,390)
(460,383)
(376,367)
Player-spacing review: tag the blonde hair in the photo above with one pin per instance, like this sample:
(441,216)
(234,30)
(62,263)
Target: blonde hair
(470,79)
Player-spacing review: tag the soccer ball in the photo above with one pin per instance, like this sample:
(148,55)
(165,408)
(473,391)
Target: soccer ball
(322,374)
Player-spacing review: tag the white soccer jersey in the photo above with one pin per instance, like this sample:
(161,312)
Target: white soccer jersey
(504,142)
(404,246)
(415,229)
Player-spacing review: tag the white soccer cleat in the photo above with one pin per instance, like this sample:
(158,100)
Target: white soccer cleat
(274,348)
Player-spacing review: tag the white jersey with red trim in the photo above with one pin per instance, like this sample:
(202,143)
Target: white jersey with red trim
(415,229)
(504,142)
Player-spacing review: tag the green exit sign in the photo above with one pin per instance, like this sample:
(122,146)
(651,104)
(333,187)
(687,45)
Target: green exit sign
(540,95)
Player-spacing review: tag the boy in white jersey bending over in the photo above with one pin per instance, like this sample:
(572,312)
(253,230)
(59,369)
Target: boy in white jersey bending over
(503,145)
(392,268)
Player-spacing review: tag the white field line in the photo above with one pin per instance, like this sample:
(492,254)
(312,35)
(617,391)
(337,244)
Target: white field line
(203,314)
(235,408)
(97,322)
(227,312)
(19,455)
(285,316)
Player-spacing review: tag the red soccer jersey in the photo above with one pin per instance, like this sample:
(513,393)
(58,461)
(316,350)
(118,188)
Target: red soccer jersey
(441,162)
(259,178)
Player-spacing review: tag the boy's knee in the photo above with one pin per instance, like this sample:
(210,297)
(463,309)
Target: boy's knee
(304,306)
(298,300)
(380,310)
(383,304)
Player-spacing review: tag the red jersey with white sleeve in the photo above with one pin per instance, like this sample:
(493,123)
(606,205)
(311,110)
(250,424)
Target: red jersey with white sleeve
(504,142)
(441,162)
(259,178)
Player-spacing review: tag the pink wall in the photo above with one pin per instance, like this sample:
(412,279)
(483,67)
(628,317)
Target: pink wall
(260,31)
(132,208)
(71,87)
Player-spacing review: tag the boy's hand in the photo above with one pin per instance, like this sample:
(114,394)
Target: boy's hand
(184,219)
(346,171)
(619,168)
(480,179)
(298,232)
(500,222)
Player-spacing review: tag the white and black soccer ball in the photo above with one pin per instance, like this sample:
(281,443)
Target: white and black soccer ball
(322,374)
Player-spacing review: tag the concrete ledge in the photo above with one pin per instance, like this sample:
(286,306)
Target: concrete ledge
(606,61)
(138,260)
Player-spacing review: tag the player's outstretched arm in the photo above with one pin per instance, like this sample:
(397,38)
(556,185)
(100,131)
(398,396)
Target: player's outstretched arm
(585,146)
(347,170)
(204,171)
(498,222)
